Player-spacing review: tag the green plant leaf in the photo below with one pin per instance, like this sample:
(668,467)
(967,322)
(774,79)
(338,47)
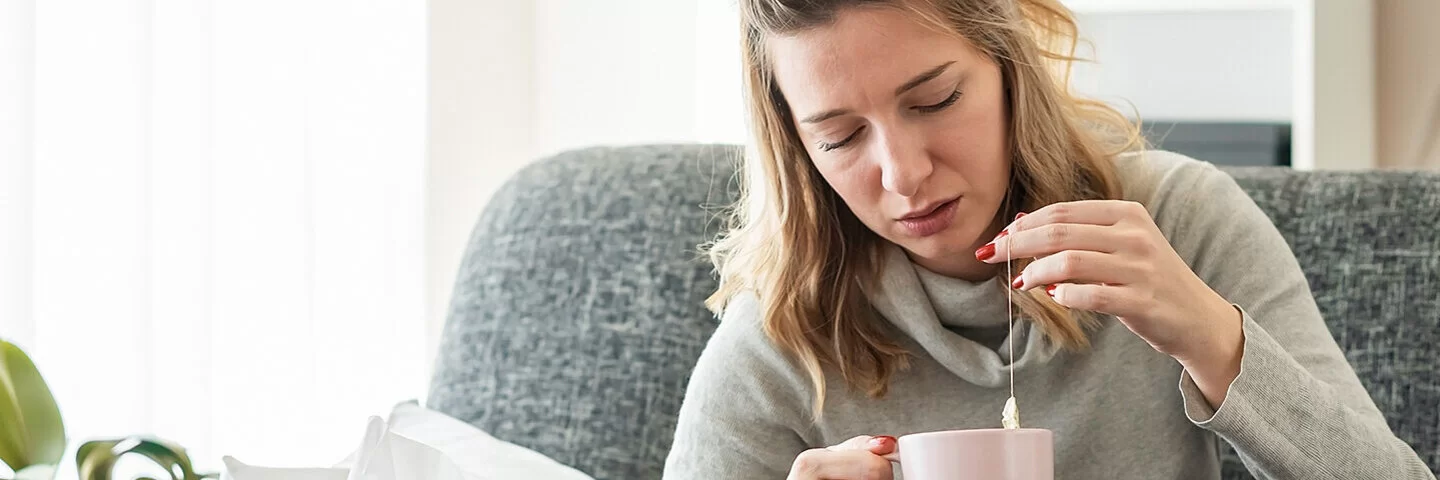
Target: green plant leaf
(95,460)
(14,450)
(34,433)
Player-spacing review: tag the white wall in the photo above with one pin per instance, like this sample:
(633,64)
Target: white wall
(635,71)
(514,81)
(1198,66)
(719,108)
(613,72)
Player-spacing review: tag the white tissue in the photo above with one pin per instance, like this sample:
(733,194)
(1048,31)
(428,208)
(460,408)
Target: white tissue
(421,443)
(237,470)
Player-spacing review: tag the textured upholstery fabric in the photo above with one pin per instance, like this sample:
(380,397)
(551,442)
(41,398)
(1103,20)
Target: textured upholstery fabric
(1370,245)
(577,313)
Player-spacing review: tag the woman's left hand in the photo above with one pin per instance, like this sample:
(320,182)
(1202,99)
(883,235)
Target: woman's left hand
(1108,256)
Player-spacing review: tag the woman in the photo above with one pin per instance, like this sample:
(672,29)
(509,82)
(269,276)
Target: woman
(898,147)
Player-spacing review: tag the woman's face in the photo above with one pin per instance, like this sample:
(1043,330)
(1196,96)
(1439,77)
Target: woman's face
(909,127)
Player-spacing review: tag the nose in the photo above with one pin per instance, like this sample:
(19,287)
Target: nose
(904,165)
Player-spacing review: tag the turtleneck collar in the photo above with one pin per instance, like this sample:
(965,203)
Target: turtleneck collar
(926,306)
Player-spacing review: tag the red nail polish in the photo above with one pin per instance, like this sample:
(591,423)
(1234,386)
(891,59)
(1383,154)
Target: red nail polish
(985,252)
(1002,234)
(883,442)
(1018,282)
(1018,215)
(1050,290)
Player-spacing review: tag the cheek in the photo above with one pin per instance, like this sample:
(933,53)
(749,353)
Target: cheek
(975,154)
(985,121)
(859,187)
(974,141)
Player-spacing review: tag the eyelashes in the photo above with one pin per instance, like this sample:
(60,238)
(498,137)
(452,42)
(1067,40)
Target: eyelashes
(826,146)
(924,109)
(948,101)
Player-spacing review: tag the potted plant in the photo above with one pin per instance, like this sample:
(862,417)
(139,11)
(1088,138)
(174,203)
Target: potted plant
(32,435)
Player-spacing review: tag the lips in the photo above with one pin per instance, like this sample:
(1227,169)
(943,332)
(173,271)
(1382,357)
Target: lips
(930,220)
(925,211)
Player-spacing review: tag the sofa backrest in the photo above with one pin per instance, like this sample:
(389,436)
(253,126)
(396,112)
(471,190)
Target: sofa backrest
(577,313)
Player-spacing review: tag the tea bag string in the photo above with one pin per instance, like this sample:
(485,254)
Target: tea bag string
(1010,313)
(1010,416)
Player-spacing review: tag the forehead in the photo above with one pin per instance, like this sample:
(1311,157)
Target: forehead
(866,51)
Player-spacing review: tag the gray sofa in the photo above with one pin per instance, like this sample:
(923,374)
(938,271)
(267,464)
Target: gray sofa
(577,313)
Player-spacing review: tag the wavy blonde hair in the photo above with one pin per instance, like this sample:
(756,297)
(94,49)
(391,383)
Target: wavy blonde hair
(795,244)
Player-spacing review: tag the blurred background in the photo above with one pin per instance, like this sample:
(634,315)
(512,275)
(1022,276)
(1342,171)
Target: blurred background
(236,224)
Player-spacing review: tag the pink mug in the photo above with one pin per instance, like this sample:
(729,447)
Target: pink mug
(982,454)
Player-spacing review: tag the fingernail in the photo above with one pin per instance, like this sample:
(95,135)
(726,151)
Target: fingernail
(1050,290)
(882,441)
(985,252)
(1018,282)
(1002,234)
(1018,215)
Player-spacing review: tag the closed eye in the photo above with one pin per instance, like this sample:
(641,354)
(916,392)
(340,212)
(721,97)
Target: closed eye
(826,146)
(948,101)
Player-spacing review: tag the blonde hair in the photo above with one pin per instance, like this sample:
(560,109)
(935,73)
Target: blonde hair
(795,244)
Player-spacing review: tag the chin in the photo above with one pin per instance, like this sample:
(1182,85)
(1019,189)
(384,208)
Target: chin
(944,245)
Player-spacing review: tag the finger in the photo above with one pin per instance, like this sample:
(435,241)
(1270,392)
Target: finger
(880,445)
(1092,212)
(1076,266)
(1049,239)
(824,463)
(1109,299)
(859,442)
(893,456)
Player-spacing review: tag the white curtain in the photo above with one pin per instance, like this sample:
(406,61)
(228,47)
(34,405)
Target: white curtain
(212,216)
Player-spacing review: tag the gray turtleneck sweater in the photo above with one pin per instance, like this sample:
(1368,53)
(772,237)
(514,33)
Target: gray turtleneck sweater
(1118,410)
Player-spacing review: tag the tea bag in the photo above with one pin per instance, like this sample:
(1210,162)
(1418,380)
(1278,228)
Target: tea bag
(1010,418)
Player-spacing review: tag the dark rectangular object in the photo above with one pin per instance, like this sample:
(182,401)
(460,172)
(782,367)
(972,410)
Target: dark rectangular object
(1223,143)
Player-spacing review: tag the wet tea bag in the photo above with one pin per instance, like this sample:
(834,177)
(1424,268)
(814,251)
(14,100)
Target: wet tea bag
(1010,418)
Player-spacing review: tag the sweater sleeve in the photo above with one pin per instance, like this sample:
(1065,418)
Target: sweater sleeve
(745,409)
(1297,408)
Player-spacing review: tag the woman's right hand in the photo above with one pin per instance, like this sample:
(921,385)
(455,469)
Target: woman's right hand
(860,458)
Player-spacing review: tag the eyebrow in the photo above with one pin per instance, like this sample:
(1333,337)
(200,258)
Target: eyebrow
(925,76)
